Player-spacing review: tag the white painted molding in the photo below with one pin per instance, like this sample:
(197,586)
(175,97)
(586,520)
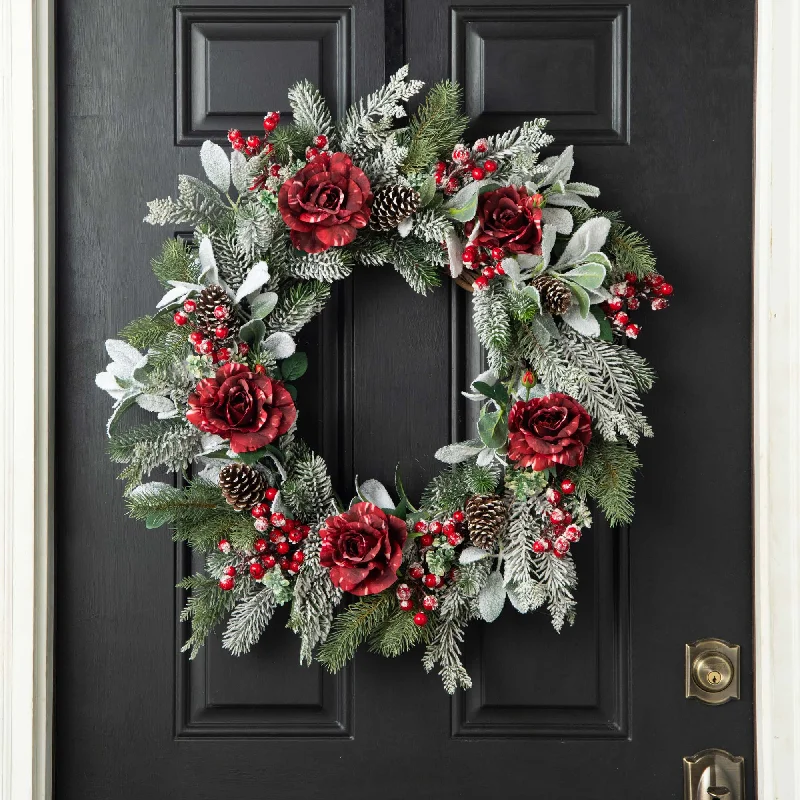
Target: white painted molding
(26,248)
(777,400)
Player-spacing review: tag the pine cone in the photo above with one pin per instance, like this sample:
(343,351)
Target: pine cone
(211,298)
(486,518)
(391,205)
(242,485)
(554,294)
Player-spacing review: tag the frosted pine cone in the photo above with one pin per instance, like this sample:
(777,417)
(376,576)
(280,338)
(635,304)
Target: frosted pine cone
(486,518)
(214,310)
(554,294)
(392,204)
(242,486)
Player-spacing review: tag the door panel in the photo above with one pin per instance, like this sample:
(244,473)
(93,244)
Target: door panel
(659,99)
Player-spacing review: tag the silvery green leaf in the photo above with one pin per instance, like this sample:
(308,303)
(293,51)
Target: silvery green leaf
(255,279)
(460,451)
(469,555)
(405,225)
(208,264)
(548,240)
(455,252)
(599,258)
(583,188)
(155,403)
(471,190)
(488,377)
(280,344)
(142,370)
(239,172)
(560,167)
(427,191)
(375,492)
(178,293)
(263,304)
(511,268)
(465,212)
(567,199)
(544,329)
(559,218)
(556,188)
(586,326)
(120,407)
(580,297)
(599,295)
(515,599)
(590,274)
(216,165)
(253,333)
(210,443)
(279,507)
(589,238)
(485,457)
(492,597)
(530,263)
(124,354)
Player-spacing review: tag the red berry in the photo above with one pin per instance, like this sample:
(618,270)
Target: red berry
(271,493)
(276,536)
(221,332)
(299,556)
(234,135)
(481,282)
(244,348)
(284,562)
(278,520)
(556,516)
(224,546)
(282,548)
(488,273)
(321,141)
(435,527)
(268,561)
(655,280)
(619,289)
(406,605)
(421,526)
(438,178)
(238,145)
(452,186)
(426,540)
(659,303)
(415,572)
(259,510)
(470,254)
(304,530)
(567,518)
(430,603)
(460,154)
(498,268)
(275,170)
(253,142)
(269,123)
(448,528)
(541,546)
(432,581)
(633,330)
(498,254)
(553,496)
(454,539)
(229,571)
(206,346)
(421,619)
(295,536)
(458,516)
(621,318)
(615,303)
(480,146)
(256,571)
(478,174)
(195,337)
(260,545)
(311,152)
(633,303)
(261,524)
(403,591)
(179,318)
(665,289)
(567,486)
(189,306)
(223,354)
(226,583)
(489,165)
(573,533)
(220,312)
(630,277)
(441,166)
(561,545)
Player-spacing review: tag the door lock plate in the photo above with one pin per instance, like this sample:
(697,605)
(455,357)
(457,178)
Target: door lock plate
(712,671)
(713,774)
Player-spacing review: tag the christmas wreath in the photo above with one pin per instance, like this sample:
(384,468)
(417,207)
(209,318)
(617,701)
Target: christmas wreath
(555,283)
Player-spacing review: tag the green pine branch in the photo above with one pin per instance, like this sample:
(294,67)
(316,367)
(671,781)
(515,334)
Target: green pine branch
(148,331)
(176,263)
(205,608)
(398,634)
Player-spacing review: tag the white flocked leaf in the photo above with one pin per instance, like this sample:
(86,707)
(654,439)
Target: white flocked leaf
(567,199)
(589,238)
(560,168)
(108,383)
(492,597)
(256,278)
(178,293)
(208,264)
(511,268)
(590,274)
(559,218)
(455,252)
(472,554)
(263,304)
(155,403)
(485,457)
(548,240)
(280,344)
(373,491)
(516,600)
(587,326)
(239,172)
(460,451)
(216,165)
(583,188)
(123,353)
(404,226)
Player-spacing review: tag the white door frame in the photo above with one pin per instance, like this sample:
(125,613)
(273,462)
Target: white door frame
(27,215)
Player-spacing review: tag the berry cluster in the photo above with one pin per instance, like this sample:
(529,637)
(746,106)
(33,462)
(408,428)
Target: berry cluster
(465,165)
(254,145)
(282,546)
(629,295)
(222,347)
(559,532)
(485,260)
(422,583)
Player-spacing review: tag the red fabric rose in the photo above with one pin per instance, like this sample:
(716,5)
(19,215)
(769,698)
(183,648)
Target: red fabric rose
(510,218)
(548,430)
(325,202)
(251,410)
(363,549)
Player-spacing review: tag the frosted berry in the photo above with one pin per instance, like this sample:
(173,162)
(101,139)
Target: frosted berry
(481,282)
(567,486)
(499,270)
(633,303)
(454,539)
(633,330)
(415,572)
(659,303)
(573,533)
(460,154)
(223,354)
(458,516)
(189,306)
(224,546)
(293,566)
(261,525)
(432,581)
(295,536)
(234,135)
(541,546)
(488,273)
(430,603)
(206,347)
(179,318)
(621,318)
(480,146)
(441,167)
(435,527)
(619,289)
(557,516)
(630,277)
(256,571)
(299,556)
(226,583)
(553,496)
(278,520)
(259,510)
(561,545)
(654,280)
(421,619)
(282,548)
(244,348)
(421,526)
(567,519)
(321,141)
(403,592)
(406,605)
(268,561)
(470,254)
(276,536)
(260,545)
(311,153)
(426,540)
(221,331)
(253,142)
(615,304)
(478,174)
(220,312)
(452,186)
(489,165)
(275,170)
(229,571)
(665,289)
(270,122)
(195,337)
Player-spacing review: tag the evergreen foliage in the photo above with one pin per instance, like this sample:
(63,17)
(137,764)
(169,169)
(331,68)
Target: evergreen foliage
(248,620)
(205,608)
(175,263)
(414,260)
(559,579)
(448,491)
(298,306)
(309,109)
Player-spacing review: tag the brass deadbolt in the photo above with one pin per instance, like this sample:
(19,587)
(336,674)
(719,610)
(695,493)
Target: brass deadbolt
(712,671)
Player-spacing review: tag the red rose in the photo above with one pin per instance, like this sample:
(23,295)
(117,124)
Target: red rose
(510,219)
(251,410)
(325,202)
(363,549)
(548,430)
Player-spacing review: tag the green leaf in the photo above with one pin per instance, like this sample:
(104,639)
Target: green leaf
(264,304)
(589,275)
(463,205)
(606,331)
(465,212)
(253,333)
(156,519)
(579,293)
(427,191)
(497,392)
(292,389)
(294,367)
(257,455)
(493,429)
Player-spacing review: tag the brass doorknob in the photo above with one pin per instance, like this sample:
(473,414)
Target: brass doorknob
(718,791)
(712,671)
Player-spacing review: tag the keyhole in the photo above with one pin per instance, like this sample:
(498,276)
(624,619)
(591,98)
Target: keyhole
(714,677)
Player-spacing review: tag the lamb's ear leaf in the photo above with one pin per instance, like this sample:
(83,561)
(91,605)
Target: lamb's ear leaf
(216,165)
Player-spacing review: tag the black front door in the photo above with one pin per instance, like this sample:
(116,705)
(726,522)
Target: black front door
(657,98)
